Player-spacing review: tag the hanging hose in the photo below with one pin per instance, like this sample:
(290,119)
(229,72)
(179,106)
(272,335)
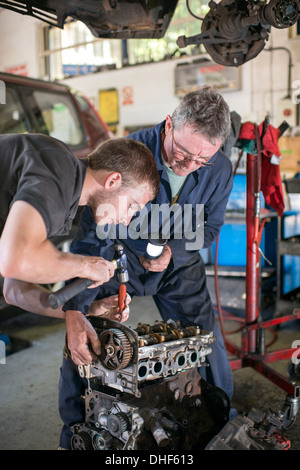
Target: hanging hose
(231,317)
(217,291)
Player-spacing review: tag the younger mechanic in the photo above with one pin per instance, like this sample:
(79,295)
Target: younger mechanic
(41,186)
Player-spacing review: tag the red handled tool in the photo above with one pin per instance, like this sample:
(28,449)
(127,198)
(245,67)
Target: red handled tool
(122,298)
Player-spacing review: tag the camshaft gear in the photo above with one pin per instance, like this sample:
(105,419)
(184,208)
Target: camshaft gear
(116,350)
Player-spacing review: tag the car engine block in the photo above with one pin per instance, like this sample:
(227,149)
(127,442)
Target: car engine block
(145,390)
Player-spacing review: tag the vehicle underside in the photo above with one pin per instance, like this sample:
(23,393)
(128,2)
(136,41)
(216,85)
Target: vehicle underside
(232,32)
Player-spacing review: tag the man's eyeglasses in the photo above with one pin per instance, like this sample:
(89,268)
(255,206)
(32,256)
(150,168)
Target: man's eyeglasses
(185,155)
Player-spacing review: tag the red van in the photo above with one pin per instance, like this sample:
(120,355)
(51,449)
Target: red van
(38,106)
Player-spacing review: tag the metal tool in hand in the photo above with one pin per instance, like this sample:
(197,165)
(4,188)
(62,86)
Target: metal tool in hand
(57,299)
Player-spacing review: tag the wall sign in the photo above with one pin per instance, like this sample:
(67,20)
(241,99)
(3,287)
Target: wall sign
(109,106)
(127,95)
(195,75)
(18,70)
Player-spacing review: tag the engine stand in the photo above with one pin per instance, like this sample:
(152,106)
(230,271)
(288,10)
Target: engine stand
(252,351)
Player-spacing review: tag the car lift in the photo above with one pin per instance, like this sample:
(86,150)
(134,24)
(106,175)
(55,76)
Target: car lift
(252,352)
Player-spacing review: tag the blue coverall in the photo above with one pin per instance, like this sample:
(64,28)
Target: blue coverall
(179,292)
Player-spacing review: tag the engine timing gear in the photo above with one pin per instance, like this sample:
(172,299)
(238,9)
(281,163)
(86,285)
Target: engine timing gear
(116,350)
(81,441)
(117,423)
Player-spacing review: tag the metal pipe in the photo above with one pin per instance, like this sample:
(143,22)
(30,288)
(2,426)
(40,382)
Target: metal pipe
(289,87)
(251,309)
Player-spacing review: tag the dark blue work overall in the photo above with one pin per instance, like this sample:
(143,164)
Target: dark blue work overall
(180,292)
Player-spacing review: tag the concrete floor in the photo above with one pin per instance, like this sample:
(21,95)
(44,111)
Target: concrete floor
(29,418)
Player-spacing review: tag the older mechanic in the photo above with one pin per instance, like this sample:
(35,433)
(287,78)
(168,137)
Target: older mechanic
(192,171)
(42,184)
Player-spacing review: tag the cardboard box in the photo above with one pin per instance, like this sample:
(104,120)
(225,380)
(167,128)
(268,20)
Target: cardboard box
(290,154)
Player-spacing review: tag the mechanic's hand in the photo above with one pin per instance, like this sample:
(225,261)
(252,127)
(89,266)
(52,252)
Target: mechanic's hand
(83,342)
(108,308)
(158,264)
(97,269)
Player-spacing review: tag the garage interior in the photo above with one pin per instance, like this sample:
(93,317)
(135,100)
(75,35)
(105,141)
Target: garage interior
(127,96)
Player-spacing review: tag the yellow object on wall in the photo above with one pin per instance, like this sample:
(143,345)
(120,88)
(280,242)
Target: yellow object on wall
(109,106)
(290,154)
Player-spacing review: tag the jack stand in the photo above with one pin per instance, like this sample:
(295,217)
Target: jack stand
(252,352)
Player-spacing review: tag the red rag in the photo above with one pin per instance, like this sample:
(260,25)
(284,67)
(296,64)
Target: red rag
(271,184)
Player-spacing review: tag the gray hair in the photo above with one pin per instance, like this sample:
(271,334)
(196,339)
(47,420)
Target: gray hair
(206,111)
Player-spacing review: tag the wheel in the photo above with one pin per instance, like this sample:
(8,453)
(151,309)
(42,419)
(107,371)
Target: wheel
(288,423)
(290,410)
(293,371)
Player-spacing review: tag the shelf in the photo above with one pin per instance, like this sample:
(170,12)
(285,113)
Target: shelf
(286,302)
(289,246)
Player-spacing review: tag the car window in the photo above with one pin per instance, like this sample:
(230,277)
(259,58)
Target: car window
(60,117)
(12,116)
